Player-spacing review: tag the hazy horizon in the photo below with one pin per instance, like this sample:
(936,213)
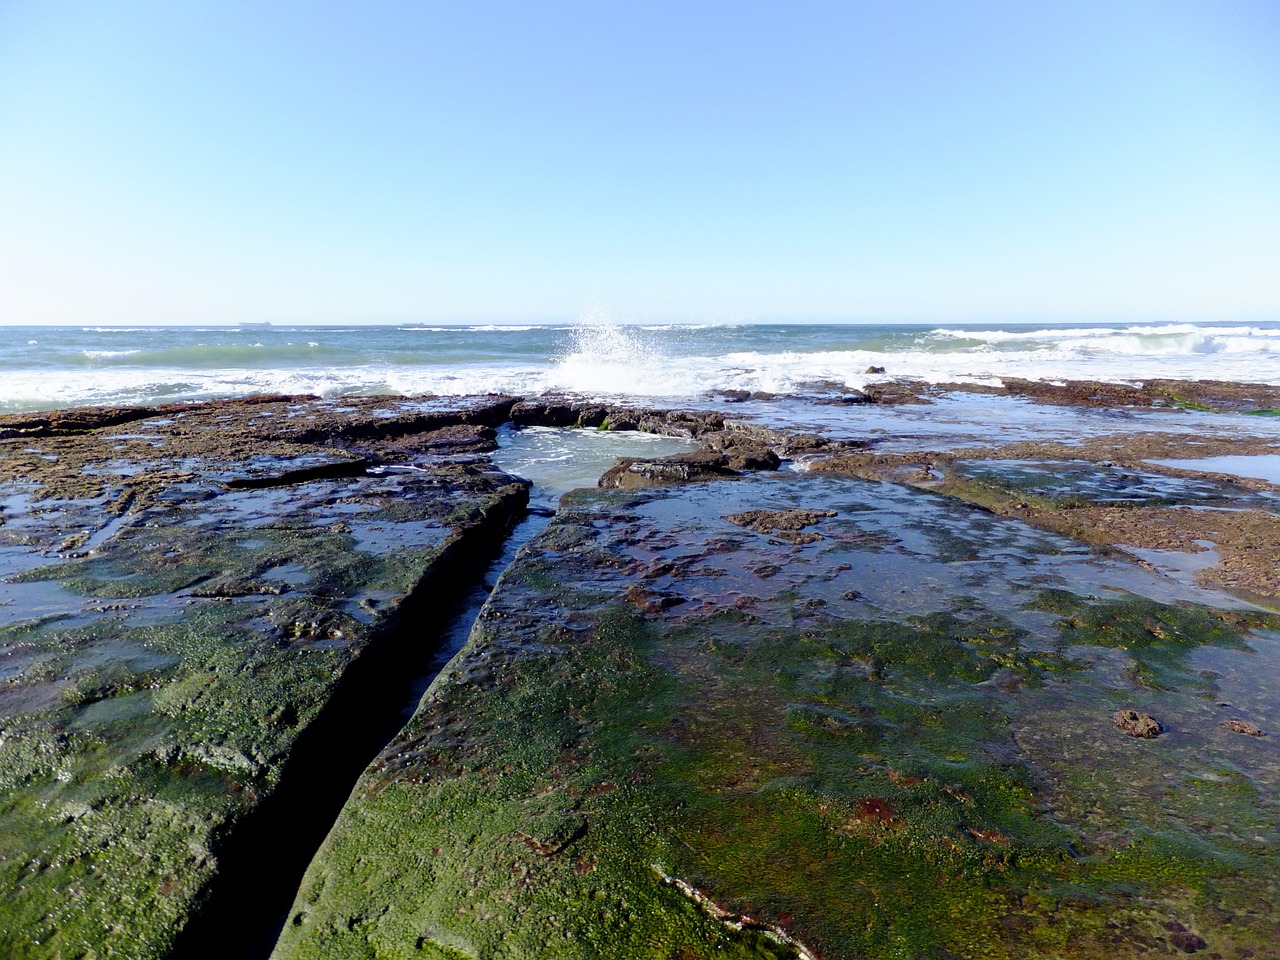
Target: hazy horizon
(654,322)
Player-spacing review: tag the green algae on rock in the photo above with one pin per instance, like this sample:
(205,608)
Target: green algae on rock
(184,591)
(891,742)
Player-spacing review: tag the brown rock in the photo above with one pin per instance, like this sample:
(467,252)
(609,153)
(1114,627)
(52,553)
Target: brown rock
(652,601)
(1243,726)
(770,521)
(1187,942)
(749,456)
(629,473)
(786,525)
(1137,724)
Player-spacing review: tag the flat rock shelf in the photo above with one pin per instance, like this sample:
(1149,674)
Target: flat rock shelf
(185,595)
(678,730)
(915,674)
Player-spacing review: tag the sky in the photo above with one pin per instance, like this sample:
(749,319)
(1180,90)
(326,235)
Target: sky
(165,161)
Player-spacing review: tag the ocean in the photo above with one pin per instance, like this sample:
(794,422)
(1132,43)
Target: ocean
(50,367)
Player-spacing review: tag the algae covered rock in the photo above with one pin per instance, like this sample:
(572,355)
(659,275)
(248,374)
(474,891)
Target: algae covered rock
(183,592)
(890,742)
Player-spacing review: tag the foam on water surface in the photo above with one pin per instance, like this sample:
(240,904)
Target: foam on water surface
(50,367)
(560,460)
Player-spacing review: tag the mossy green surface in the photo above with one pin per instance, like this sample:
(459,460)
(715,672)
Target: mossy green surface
(144,718)
(671,738)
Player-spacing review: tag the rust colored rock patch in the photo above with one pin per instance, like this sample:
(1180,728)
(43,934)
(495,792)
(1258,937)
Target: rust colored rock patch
(788,525)
(1137,724)
(1243,726)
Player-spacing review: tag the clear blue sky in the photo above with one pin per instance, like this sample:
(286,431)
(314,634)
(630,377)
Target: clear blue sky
(171,161)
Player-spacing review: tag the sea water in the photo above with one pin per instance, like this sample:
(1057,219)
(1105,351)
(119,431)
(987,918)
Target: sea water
(48,367)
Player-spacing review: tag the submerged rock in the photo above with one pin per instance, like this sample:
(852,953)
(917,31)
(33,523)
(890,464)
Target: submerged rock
(1108,491)
(1243,726)
(784,524)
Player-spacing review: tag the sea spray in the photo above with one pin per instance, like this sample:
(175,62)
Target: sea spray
(606,358)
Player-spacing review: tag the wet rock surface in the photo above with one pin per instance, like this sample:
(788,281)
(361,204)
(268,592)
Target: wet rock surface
(842,683)
(183,591)
(1112,491)
(788,525)
(552,411)
(1211,395)
(632,474)
(1215,395)
(893,741)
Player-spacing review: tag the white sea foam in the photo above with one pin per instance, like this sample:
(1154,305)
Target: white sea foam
(598,358)
(1134,341)
(686,326)
(108,354)
(620,364)
(779,372)
(33,389)
(1103,332)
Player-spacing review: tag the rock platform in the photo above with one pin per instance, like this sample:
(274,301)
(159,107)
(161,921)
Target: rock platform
(186,591)
(676,732)
(824,688)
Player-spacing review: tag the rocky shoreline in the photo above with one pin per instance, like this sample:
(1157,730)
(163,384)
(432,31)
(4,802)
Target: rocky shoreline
(858,707)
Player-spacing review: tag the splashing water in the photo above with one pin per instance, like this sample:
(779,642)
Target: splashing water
(606,358)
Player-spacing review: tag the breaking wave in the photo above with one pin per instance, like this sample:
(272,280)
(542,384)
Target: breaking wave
(61,366)
(1130,341)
